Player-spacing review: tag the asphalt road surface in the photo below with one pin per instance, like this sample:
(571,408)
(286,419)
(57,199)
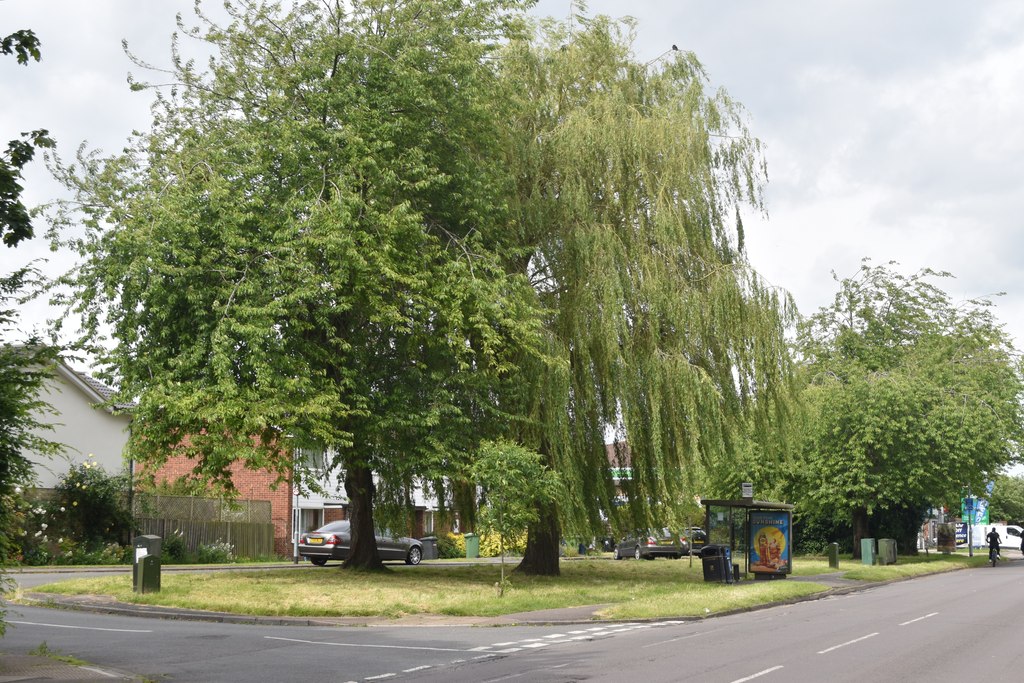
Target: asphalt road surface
(960,626)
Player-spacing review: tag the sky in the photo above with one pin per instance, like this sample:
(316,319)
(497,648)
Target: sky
(893,130)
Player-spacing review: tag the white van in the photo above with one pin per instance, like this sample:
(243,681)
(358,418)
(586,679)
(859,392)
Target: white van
(1009,533)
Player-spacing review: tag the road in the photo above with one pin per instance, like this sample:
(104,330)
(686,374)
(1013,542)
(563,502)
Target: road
(964,625)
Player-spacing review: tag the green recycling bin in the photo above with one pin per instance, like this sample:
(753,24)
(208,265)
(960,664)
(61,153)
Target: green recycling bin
(146,564)
(867,550)
(472,546)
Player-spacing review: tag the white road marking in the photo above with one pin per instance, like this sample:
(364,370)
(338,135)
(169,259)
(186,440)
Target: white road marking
(80,628)
(99,671)
(380,678)
(849,642)
(508,651)
(416,668)
(758,674)
(536,645)
(505,644)
(556,635)
(381,647)
(918,619)
(671,640)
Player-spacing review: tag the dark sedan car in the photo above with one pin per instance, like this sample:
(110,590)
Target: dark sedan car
(698,539)
(332,542)
(651,544)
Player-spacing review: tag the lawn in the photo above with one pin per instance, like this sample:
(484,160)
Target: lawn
(623,590)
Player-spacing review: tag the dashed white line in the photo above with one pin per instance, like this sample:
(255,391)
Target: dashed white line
(536,645)
(415,668)
(380,678)
(758,674)
(382,647)
(849,642)
(671,640)
(555,635)
(918,619)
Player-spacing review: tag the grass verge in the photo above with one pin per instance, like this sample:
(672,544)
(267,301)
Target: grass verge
(622,590)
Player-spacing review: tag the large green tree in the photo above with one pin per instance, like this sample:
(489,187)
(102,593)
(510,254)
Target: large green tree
(910,396)
(629,180)
(299,250)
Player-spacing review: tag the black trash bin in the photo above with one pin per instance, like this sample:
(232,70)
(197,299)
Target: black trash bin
(716,561)
(429,547)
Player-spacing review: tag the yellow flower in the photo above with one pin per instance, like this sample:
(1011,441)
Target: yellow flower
(75,503)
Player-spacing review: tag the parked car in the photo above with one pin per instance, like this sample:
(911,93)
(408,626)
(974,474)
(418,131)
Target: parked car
(652,543)
(332,542)
(698,538)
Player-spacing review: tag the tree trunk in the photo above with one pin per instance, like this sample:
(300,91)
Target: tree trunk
(541,556)
(360,489)
(860,529)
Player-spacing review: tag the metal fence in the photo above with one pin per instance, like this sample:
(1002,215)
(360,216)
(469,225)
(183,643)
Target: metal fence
(201,509)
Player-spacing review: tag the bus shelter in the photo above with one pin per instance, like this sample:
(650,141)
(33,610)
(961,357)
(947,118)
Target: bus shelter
(758,533)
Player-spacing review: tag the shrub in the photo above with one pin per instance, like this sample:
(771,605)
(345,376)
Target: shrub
(216,553)
(490,545)
(91,506)
(174,549)
(451,546)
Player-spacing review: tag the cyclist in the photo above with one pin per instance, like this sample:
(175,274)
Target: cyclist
(993,539)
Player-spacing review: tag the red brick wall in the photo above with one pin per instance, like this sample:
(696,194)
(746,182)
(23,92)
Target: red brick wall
(251,485)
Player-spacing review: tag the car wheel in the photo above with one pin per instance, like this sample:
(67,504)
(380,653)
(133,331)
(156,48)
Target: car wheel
(414,556)
(636,553)
(318,561)
(618,555)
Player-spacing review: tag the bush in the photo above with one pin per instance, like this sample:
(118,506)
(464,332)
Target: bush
(451,546)
(490,545)
(216,553)
(174,549)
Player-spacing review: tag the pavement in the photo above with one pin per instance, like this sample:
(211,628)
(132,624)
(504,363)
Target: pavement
(37,668)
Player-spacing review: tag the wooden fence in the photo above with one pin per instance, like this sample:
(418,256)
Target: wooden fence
(249,539)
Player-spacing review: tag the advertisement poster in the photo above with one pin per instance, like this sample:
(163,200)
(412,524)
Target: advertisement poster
(769,542)
(974,510)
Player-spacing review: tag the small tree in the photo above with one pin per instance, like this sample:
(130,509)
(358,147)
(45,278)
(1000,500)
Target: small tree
(513,480)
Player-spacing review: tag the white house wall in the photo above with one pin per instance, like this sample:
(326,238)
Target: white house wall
(81,427)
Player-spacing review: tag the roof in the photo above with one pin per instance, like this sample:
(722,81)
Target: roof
(92,387)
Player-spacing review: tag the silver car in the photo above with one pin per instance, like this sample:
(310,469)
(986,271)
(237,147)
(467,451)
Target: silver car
(652,543)
(332,542)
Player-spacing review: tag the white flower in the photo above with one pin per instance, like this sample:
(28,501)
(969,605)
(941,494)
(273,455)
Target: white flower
(62,508)
(38,534)
(43,525)
(60,540)
(17,489)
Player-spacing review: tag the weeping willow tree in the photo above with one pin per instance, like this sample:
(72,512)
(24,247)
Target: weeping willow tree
(630,178)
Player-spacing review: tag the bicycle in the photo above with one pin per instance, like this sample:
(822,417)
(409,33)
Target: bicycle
(993,556)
